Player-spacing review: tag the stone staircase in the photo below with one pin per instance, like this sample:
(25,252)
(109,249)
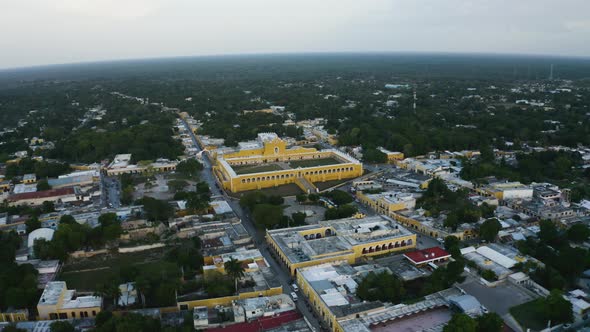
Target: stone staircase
(306,186)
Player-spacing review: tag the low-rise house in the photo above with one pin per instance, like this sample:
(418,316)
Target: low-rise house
(58,302)
(60,195)
(345,239)
(425,256)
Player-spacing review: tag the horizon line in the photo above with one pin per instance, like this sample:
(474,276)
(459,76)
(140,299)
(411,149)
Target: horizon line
(244,54)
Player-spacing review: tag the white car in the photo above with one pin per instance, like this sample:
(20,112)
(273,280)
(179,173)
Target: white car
(295,288)
(294,296)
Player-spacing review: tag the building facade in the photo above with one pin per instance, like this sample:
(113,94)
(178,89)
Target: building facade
(58,302)
(342,240)
(270,164)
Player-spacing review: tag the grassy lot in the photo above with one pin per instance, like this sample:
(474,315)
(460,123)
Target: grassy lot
(84,274)
(86,281)
(113,260)
(248,169)
(529,315)
(314,162)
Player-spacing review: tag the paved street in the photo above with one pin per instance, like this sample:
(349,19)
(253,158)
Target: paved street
(258,236)
(111,191)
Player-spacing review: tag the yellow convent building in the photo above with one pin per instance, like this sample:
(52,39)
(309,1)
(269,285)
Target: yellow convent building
(267,162)
(342,240)
(59,302)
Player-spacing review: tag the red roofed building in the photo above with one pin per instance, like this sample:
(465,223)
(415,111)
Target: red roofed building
(429,255)
(69,194)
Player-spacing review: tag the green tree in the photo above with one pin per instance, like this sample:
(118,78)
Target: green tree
(489,229)
(452,245)
(298,218)
(548,232)
(177,185)
(301,198)
(461,323)
(189,168)
(109,289)
(12,328)
(339,197)
(67,219)
(267,215)
(489,275)
(156,210)
(103,317)
(61,326)
(47,207)
(343,211)
(43,185)
(32,224)
(557,309)
(234,270)
(251,199)
(381,286)
(372,155)
(313,198)
(490,322)
(578,233)
(452,221)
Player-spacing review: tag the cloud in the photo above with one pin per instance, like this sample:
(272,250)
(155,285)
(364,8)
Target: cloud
(58,31)
(110,9)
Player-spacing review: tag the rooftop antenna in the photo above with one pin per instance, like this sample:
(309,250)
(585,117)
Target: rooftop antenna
(551,73)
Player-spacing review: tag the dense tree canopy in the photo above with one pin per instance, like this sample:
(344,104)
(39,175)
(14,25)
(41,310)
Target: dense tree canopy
(381,286)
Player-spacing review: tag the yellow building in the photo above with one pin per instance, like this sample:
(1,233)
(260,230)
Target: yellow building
(58,302)
(429,226)
(268,163)
(506,190)
(338,240)
(331,292)
(258,280)
(29,178)
(387,202)
(12,316)
(251,260)
(392,156)
(5,186)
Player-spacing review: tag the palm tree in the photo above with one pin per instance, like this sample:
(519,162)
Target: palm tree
(109,289)
(234,270)
(143,287)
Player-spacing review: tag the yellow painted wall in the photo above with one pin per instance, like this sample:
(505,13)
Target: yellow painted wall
(276,151)
(44,313)
(395,156)
(271,179)
(380,205)
(228,299)
(349,256)
(317,304)
(18,316)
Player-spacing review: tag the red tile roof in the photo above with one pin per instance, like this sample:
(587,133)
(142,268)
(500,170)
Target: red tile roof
(43,194)
(261,324)
(427,255)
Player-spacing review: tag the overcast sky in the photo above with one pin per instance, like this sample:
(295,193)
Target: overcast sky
(34,32)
